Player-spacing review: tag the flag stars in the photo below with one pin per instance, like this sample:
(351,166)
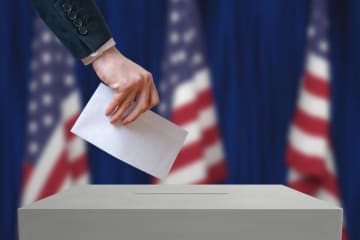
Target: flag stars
(46,78)
(323,46)
(174,37)
(178,57)
(47,99)
(33,127)
(69,80)
(162,107)
(46,37)
(33,147)
(32,106)
(174,16)
(48,120)
(311,31)
(46,58)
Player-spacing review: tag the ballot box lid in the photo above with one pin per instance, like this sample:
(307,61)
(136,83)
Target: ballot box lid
(181,197)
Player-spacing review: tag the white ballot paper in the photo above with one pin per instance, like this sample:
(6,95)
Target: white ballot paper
(151,143)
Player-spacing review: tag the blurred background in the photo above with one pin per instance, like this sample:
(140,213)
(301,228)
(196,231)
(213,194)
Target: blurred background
(269,90)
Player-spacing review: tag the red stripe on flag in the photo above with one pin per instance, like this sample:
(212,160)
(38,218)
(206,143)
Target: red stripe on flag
(344,234)
(215,173)
(69,124)
(26,173)
(189,112)
(56,177)
(316,86)
(307,185)
(313,167)
(311,124)
(210,135)
(79,166)
(331,185)
(308,165)
(188,155)
(195,150)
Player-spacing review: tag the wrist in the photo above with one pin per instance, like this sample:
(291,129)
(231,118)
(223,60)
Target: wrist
(93,56)
(105,63)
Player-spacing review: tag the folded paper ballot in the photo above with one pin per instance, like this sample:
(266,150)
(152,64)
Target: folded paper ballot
(151,143)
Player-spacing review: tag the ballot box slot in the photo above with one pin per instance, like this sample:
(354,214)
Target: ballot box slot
(180,193)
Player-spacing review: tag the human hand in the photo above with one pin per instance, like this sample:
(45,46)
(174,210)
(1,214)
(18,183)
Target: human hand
(129,81)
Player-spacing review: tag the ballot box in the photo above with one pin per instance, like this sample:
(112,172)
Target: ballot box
(180,212)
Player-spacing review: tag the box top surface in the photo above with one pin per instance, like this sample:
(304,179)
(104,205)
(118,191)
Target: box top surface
(180,197)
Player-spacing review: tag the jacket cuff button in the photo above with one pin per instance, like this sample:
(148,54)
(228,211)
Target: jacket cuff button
(78,22)
(83,30)
(72,15)
(67,7)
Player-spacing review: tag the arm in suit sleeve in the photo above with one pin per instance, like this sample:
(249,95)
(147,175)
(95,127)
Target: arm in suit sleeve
(78,24)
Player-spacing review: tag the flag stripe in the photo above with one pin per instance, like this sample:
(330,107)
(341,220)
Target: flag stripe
(52,154)
(79,166)
(56,177)
(185,90)
(314,105)
(317,66)
(307,144)
(189,112)
(309,157)
(316,86)
(44,165)
(310,124)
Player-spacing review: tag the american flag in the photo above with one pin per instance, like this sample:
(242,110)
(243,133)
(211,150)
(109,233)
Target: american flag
(309,157)
(54,158)
(186,98)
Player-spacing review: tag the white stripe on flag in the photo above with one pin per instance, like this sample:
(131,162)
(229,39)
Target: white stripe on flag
(313,105)
(196,171)
(47,161)
(83,179)
(207,117)
(317,66)
(76,148)
(328,197)
(188,91)
(66,183)
(307,144)
(70,105)
(214,153)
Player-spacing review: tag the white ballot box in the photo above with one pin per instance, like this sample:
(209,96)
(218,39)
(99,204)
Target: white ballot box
(180,212)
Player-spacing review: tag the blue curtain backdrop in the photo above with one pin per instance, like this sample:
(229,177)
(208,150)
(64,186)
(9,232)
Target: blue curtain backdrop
(255,51)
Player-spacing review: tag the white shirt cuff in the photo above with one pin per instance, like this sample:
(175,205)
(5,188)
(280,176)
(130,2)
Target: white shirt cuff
(91,58)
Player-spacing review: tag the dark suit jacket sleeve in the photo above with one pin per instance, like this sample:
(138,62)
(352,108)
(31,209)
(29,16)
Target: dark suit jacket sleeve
(77,23)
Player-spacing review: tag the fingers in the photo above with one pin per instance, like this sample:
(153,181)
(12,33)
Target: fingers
(154,97)
(142,103)
(125,105)
(115,102)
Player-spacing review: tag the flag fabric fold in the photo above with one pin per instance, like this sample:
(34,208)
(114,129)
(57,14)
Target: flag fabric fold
(187,99)
(309,154)
(54,158)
